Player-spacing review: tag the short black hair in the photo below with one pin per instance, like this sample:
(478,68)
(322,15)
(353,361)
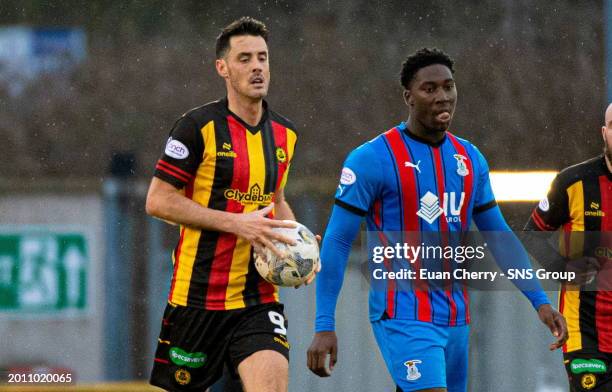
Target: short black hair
(421,59)
(243,26)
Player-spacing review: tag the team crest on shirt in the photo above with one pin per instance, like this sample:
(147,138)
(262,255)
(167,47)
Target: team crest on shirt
(182,376)
(462,169)
(281,156)
(412,370)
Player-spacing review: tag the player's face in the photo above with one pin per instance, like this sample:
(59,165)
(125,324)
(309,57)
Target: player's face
(432,97)
(606,132)
(245,67)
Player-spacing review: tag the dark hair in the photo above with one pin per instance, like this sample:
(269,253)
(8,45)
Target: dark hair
(243,26)
(421,59)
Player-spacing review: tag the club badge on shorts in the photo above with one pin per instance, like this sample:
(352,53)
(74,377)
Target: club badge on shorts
(182,376)
(412,370)
(588,381)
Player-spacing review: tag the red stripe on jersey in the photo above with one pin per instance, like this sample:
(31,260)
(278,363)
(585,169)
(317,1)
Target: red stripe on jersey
(224,251)
(603,299)
(410,206)
(468,180)
(177,253)
(175,169)
(173,174)
(444,228)
(538,221)
(267,290)
(377,216)
(164,361)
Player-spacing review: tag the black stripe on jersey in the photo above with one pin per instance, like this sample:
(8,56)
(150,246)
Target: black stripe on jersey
(592,224)
(484,207)
(224,172)
(251,288)
(350,208)
(586,319)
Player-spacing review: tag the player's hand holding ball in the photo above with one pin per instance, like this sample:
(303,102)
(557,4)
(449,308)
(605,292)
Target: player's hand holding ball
(296,263)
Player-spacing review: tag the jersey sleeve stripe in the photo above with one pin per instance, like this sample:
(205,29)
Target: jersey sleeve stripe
(175,169)
(484,207)
(178,177)
(350,208)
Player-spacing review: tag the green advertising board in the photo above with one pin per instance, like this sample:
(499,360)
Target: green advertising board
(43,270)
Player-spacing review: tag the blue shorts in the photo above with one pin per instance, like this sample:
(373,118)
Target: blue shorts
(422,355)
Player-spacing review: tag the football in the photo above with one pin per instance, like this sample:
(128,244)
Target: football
(300,262)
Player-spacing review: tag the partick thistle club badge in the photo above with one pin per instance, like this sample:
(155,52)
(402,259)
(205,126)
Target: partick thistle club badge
(462,169)
(413,371)
(182,376)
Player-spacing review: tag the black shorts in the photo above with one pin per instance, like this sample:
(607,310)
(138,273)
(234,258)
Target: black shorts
(195,344)
(589,371)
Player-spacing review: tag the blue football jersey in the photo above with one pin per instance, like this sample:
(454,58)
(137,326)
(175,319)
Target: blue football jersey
(404,184)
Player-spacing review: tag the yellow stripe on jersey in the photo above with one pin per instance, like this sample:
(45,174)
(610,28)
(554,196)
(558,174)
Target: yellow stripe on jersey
(241,257)
(571,308)
(575,194)
(191,237)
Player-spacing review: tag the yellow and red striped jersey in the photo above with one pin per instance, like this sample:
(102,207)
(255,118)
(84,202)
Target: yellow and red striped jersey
(225,164)
(580,203)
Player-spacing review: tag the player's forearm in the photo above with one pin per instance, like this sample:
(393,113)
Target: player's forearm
(176,208)
(282,210)
(341,231)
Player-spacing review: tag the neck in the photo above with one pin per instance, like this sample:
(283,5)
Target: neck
(608,163)
(248,109)
(432,136)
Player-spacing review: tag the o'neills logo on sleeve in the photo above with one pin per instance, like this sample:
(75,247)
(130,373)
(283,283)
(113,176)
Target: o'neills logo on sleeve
(253,196)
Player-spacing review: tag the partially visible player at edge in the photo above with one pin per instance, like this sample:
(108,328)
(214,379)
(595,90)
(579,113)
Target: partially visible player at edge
(398,182)
(580,201)
(221,177)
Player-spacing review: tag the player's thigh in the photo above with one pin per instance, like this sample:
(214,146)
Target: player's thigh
(457,358)
(259,349)
(413,352)
(265,370)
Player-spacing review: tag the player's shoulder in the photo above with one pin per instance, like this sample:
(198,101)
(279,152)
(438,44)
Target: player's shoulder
(593,167)
(210,111)
(282,120)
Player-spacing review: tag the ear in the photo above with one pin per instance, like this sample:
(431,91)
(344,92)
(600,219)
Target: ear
(408,98)
(221,67)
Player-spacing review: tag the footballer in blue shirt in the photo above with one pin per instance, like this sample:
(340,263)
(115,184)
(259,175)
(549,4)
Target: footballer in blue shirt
(417,178)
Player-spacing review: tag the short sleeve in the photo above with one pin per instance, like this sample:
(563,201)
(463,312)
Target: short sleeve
(360,181)
(484,198)
(553,210)
(182,154)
